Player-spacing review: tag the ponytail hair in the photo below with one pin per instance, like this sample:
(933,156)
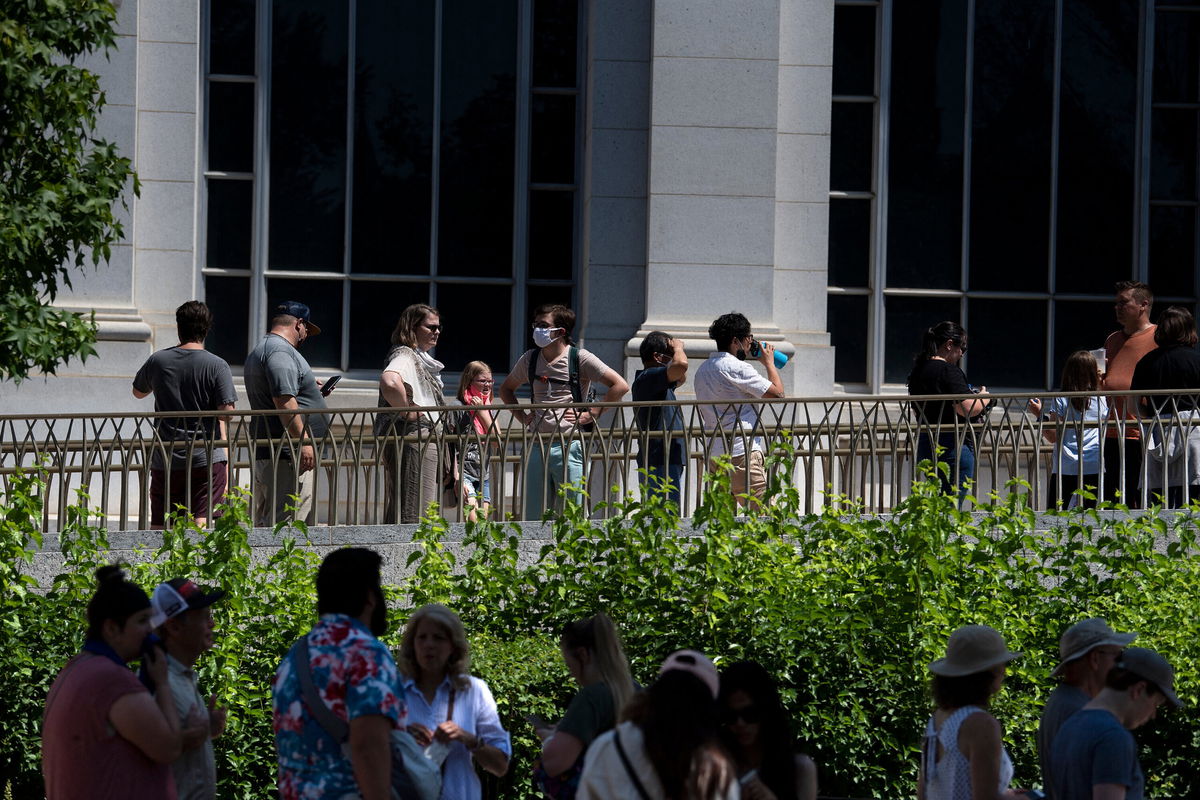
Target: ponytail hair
(115,598)
(932,340)
(599,636)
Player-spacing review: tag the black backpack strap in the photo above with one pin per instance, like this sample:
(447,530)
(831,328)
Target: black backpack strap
(335,727)
(573,374)
(533,376)
(633,776)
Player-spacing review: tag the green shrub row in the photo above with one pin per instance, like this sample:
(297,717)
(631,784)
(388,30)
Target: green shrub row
(847,609)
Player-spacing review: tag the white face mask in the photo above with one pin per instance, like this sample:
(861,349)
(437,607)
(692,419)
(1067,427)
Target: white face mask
(543,337)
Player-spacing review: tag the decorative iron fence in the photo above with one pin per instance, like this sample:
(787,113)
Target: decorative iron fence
(857,447)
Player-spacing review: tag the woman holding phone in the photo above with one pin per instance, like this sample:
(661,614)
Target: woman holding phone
(104,734)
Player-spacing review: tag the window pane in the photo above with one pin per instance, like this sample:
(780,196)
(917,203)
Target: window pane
(228,298)
(924,247)
(555,26)
(1173,250)
(551,234)
(1080,326)
(848,334)
(478,320)
(377,308)
(907,319)
(1010,133)
(1173,154)
(849,242)
(852,134)
(393,137)
(1096,151)
(308,134)
(324,299)
(854,50)
(231,37)
(552,152)
(230,221)
(479,61)
(1004,354)
(231,127)
(1176,57)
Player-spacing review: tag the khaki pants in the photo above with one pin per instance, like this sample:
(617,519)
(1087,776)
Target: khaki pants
(748,477)
(416,479)
(273,490)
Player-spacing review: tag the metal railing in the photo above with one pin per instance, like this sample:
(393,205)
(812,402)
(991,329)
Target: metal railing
(856,447)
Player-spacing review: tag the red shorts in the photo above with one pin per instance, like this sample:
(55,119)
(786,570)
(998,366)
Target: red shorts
(198,505)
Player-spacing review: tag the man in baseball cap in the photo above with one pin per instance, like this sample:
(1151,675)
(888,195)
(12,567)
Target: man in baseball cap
(1087,651)
(1094,753)
(182,613)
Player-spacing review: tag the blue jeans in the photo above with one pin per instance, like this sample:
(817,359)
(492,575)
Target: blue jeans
(656,479)
(548,471)
(961,460)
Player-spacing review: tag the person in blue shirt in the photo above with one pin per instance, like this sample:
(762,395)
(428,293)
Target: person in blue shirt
(662,459)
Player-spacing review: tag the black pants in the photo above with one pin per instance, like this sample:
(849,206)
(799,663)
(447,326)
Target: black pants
(1070,483)
(1128,489)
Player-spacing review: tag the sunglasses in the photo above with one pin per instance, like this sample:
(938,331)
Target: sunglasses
(432,328)
(751,715)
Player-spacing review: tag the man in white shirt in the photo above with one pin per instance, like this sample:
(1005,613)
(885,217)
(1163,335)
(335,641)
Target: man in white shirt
(726,377)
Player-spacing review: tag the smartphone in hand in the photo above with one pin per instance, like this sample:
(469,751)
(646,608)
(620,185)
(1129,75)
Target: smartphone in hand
(329,385)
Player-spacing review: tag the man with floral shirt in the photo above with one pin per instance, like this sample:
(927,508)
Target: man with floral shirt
(356,677)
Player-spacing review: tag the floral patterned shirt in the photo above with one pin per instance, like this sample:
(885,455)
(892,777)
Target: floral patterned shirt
(356,676)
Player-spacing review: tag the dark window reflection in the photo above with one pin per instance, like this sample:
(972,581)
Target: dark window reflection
(1176,57)
(1005,352)
(848,334)
(308,134)
(374,311)
(852,146)
(555,26)
(924,247)
(854,50)
(849,242)
(1080,326)
(231,127)
(479,61)
(324,299)
(393,137)
(1173,250)
(552,156)
(1010,157)
(1096,146)
(228,298)
(551,234)
(231,37)
(478,328)
(230,221)
(907,319)
(1173,154)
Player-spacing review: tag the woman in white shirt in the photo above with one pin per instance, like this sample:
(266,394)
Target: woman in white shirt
(450,712)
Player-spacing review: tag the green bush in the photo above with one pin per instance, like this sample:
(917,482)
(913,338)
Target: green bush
(847,609)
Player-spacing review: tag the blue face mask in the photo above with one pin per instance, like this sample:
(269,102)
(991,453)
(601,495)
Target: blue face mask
(543,337)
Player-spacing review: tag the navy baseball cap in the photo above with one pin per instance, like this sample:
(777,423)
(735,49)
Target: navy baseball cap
(299,311)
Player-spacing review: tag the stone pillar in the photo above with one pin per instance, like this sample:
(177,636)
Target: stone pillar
(734,219)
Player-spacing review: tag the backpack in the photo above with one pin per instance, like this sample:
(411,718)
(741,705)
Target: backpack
(572,379)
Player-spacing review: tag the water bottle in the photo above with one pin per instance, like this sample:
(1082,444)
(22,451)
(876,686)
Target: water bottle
(781,359)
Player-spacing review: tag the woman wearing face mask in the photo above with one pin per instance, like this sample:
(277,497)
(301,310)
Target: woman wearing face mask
(104,734)
(592,651)
(411,380)
(450,712)
(944,423)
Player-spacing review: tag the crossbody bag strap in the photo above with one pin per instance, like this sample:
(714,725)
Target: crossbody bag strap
(637,782)
(573,374)
(334,726)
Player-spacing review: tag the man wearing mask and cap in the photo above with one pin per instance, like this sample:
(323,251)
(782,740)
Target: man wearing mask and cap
(1088,650)
(558,372)
(1094,756)
(278,377)
(183,618)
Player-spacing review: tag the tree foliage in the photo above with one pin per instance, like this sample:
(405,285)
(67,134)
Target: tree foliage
(59,183)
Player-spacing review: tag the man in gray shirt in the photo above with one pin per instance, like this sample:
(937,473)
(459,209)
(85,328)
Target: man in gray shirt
(187,378)
(1088,650)
(278,377)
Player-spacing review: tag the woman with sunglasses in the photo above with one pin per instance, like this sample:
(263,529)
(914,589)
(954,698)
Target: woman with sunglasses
(944,424)
(755,730)
(411,380)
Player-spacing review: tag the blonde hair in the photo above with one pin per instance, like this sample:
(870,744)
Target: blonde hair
(470,372)
(599,637)
(459,665)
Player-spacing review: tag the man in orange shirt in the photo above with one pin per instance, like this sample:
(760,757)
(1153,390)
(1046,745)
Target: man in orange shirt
(1123,350)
